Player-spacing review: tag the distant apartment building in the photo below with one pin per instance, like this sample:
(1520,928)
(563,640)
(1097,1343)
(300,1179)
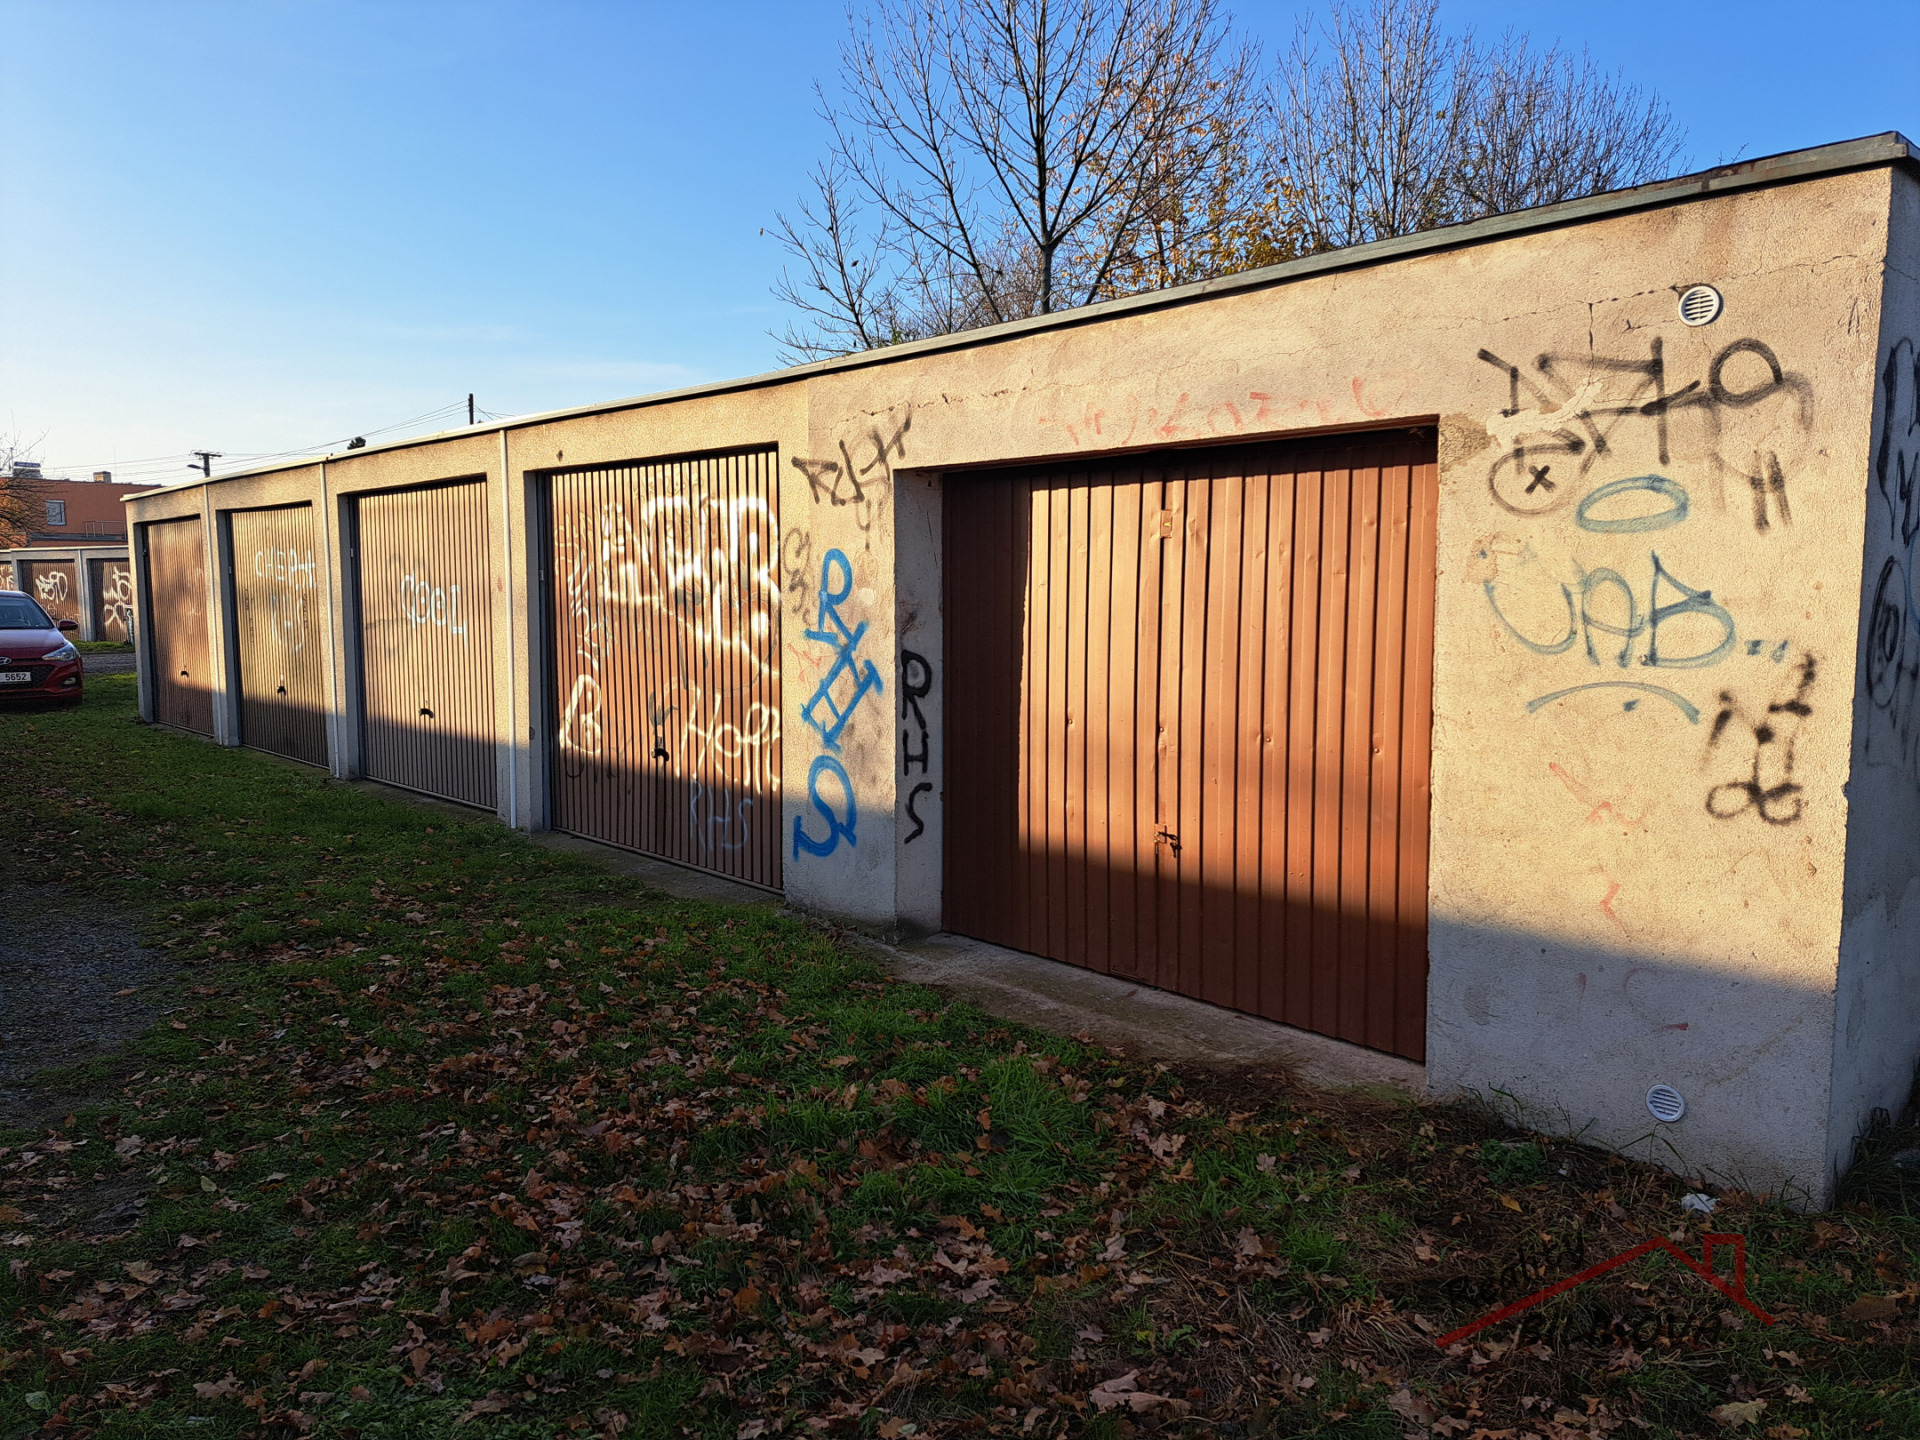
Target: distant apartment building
(70,512)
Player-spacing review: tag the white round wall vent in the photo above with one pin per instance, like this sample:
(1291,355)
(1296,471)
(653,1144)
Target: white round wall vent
(1666,1104)
(1700,305)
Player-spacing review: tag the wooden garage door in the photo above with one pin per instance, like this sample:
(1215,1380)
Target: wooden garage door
(55,584)
(179,638)
(666,656)
(426,641)
(1188,724)
(278,615)
(113,609)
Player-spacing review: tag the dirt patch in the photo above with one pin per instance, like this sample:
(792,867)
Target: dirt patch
(110,662)
(75,982)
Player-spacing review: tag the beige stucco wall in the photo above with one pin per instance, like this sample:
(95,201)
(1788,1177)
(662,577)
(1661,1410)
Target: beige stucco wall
(1879,987)
(1631,883)
(1611,907)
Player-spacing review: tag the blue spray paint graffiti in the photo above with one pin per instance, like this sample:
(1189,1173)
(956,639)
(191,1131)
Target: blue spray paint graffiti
(1672,493)
(1631,622)
(841,821)
(832,706)
(830,629)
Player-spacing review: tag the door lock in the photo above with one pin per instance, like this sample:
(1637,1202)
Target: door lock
(1168,838)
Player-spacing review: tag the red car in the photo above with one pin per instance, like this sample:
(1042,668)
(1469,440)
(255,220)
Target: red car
(37,662)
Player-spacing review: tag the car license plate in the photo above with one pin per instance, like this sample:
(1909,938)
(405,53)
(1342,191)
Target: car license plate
(16,677)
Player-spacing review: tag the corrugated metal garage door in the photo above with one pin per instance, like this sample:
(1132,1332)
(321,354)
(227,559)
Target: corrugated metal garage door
(112,600)
(54,584)
(278,615)
(426,628)
(180,649)
(1188,724)
(666,608)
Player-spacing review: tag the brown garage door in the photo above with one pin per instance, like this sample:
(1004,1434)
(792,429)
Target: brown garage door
(112,600)
(54,584)
(666,607)
(426,627)
(179,648)
(279,613)
(1188,724)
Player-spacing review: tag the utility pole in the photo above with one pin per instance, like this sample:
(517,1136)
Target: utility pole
(469,409)
(206,459)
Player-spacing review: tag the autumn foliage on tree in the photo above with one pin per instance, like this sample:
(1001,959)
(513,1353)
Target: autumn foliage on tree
(22,497)
(994,159)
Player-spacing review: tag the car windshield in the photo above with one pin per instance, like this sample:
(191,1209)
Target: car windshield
(17,612)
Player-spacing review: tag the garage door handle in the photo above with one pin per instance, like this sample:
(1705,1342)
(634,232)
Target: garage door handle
(279,689)
(426,712)
(1172,840)
(183,674)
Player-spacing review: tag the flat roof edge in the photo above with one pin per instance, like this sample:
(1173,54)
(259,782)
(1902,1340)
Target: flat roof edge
(1888,148)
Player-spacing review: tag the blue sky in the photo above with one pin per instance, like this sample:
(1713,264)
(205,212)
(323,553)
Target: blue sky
(258,226)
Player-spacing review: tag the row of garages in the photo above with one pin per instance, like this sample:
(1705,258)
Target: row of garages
(1456,647)
(91,586)
(653,653)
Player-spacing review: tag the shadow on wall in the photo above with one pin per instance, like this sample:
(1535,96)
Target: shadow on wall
(1568,1038)
(1252,946)
(1558,1036)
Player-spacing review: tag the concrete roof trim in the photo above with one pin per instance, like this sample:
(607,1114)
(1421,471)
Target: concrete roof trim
(1890,148)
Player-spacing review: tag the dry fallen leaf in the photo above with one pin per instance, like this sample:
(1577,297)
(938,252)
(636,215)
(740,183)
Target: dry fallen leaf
(12,1215)
(1736,1413)
(1871,1307)
(1510,1202)
(1123,1392)
(492,1403)
(1416,1408)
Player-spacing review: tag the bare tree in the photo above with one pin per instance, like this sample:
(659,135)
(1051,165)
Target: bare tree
(22,495)
(1386,125)
(992,159)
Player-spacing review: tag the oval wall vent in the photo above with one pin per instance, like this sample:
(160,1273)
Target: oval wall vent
(1700,305)
(1666,1104)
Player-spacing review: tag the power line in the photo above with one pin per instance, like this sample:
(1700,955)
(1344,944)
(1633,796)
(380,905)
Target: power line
(163,464)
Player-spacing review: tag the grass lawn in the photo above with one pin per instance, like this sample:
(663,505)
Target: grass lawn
(447,1133)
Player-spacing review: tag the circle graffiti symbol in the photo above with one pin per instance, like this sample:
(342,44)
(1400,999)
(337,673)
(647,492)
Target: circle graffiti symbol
(1666,489)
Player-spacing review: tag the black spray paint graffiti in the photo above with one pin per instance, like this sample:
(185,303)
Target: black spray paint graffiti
(1891,662)
(1557,427)
(916,683)
(863,485)
(1769,789)
(1896,459)
(832,705)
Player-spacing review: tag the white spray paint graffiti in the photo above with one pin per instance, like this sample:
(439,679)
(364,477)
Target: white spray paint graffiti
(697,577)
(425,603)
(287,604)
(116,602)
